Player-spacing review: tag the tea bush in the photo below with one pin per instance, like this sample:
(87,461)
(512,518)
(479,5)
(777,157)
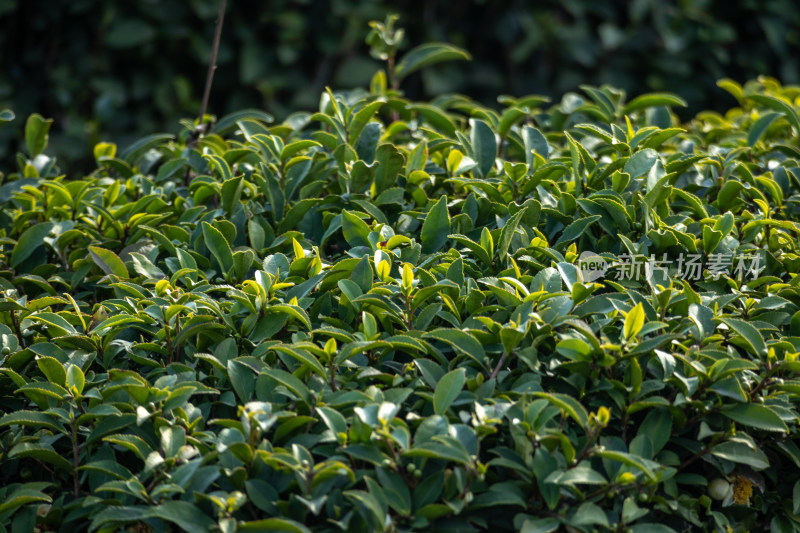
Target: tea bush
(392,315)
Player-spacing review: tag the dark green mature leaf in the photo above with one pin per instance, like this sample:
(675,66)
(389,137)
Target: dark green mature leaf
(461,341)
(34,419)
(436,227)
(641,162)
(447,390)
(30,240)
(292,383)
(135,151)
(355,230)
(183,514)
(108,262)
(229,122)
(760,126)
(757,416)
(218,246)
(576,229)
(752,337)
(507,233)
(282,525)
(40,452)
(484,145)
(569,405)
(428,54)
(739,452)
(653,100)
(778,105)
(23,496)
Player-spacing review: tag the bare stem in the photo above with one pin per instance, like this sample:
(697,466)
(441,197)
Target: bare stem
(17,329)
(212,64)
(499,366)
(76,483)
(333,376)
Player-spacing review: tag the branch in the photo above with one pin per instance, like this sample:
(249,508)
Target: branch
(212,64)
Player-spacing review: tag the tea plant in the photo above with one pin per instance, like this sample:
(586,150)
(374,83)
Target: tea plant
(378,317)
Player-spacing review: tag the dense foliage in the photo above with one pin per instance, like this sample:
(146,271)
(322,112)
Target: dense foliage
(109,69)
(380,317)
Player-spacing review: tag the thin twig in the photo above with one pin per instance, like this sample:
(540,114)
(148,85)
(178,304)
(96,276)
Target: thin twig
(496,370)
(212,64)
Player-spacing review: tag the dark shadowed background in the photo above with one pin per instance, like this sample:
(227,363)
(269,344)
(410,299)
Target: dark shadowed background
(112,70)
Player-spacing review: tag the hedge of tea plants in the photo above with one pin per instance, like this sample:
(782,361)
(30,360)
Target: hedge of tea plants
(392,315)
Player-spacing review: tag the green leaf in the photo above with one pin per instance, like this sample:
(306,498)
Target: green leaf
(242,379)
(535,142)
(474,247)
(291,310)
(778,105)
(634,321)
(221,166)
(30,240)
(361,118)
(36,134)
(132,443)
(757,416)
(759,127)
(187,516)
(574,349)
(108,262)
(657,426)
(135,151)
(441,447)
(292,383)
(219,247)
(461,341)
(436,227)
(641,162)
(6,115)
(484,145)
(34,419)
(447,390)
(294,148)
(229,122)
(651,527)
(436,117)
(739,452)
(653,100)
(232,193)
(45,453)
(540,525)
(303,357)
(568,404)
(507,233)
(144,267)
(428,54)
(53,370)
(75,378)
(576,229)
(23,496)
(356,232)
(752,337)
(282,525)
(626,459)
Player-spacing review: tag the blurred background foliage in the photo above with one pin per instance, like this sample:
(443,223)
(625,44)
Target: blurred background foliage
(112,70)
